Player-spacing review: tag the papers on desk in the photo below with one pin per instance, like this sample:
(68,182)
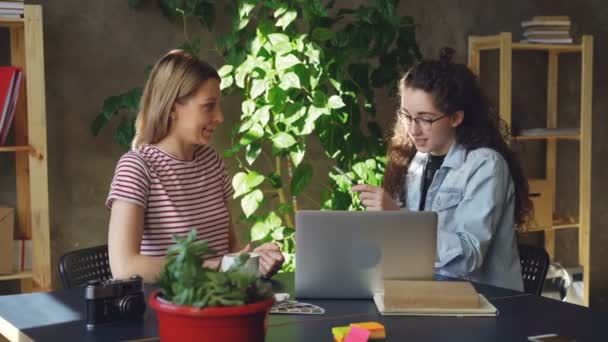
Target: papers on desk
(432,298)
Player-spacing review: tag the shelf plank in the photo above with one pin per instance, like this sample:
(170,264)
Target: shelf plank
(566,226)
(15,148)
(547,47)
(548,133)
(15,276)
(11,22)
(543,137)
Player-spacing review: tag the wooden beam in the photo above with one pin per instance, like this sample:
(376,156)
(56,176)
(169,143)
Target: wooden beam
(473,57)
(551,155)
(505,78)
(584,236)
(36,103)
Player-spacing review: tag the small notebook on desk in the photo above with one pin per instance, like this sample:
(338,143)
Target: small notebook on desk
(432,298)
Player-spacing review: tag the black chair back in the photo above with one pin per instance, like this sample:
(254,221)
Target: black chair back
(78,267)
(534,267)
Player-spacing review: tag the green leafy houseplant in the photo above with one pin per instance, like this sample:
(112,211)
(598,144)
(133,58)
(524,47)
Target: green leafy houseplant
(304,70)
(200,304)
(185,282)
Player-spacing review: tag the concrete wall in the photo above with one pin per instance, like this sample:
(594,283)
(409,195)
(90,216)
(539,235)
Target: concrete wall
(94,49)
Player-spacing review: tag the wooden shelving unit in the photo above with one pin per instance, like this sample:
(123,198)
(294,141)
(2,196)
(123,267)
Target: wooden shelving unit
(32,210)
(504,44)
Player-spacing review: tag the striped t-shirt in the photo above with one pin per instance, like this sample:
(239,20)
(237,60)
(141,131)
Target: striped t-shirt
(176,196)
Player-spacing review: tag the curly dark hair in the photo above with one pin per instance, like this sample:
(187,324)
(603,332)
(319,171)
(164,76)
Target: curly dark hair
(454,87)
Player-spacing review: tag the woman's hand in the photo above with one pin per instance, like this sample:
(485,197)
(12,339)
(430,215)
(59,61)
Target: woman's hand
(375,198)
(271,258)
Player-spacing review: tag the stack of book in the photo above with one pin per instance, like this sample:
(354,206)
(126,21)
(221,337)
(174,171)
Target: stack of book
(10,85)
(11,9)
(548,30)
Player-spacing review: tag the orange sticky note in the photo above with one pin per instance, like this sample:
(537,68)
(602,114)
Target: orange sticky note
(376,329)
(356,334)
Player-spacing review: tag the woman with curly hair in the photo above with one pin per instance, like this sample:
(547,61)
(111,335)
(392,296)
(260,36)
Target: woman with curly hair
(448,155)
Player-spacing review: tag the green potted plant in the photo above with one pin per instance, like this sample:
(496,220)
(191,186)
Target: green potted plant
(198,303)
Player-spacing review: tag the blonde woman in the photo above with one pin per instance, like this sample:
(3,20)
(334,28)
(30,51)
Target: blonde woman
(172,180)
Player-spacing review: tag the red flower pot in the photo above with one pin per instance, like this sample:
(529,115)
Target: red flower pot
(226,323)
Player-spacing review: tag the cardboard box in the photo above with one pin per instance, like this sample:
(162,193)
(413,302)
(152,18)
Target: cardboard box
(541,195)
(7,226)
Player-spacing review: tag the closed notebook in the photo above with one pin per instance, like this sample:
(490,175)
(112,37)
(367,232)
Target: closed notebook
(432,298)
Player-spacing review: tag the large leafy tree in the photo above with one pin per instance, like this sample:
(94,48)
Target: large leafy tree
(304,70)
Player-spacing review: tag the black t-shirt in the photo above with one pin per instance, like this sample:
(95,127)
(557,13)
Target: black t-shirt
(433,163)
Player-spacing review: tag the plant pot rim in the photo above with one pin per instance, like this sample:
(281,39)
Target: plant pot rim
(210,312)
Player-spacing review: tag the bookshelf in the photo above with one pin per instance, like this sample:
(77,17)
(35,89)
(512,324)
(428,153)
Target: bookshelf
(504,44)
(29,126)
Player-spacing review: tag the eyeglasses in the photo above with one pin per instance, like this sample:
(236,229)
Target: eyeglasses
(424,124)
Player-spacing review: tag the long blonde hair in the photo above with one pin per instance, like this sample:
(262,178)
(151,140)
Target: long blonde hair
(174,78)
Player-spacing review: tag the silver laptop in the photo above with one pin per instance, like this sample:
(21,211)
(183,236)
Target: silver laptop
(347,254)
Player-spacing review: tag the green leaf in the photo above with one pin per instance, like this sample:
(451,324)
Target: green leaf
(206,14)
(273,221)
(225,70)
(283,140)
(313,52)
(282,48)
(277,97)
(322,34)
(301,178)
(251,202)
(278,38)
(275,180)
(259,231)
(252,152)
(254,179)
(262,115)
(280,11)
(253,134)
(286,62)
(125,132)
(309,123)
(290,80)
(258,87)
(285,209)
(248,107)
(277,234)
(239,183)
(335,102)
(229,153)
(246,125)
(227,82)
(297,155)
(287,19)
(245,8)
(320,98)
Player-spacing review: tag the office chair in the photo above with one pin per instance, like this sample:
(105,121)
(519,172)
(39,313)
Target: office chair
(534,266)
(78,267)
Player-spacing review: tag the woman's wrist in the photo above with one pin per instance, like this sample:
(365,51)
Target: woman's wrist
(213,264)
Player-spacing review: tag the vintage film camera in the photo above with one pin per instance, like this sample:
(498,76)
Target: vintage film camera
(114,300)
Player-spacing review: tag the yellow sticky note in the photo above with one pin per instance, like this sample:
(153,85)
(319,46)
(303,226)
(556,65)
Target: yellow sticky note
(339,333)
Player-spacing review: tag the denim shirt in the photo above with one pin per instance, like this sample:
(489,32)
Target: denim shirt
(474,198)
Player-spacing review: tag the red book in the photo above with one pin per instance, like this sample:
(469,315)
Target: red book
(10,84)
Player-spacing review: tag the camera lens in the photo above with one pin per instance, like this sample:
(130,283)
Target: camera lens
(132,306)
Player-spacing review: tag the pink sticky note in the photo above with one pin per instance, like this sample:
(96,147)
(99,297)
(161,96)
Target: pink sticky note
(357,334)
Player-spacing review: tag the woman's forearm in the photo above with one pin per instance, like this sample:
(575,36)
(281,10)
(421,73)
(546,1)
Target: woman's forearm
(148,267)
